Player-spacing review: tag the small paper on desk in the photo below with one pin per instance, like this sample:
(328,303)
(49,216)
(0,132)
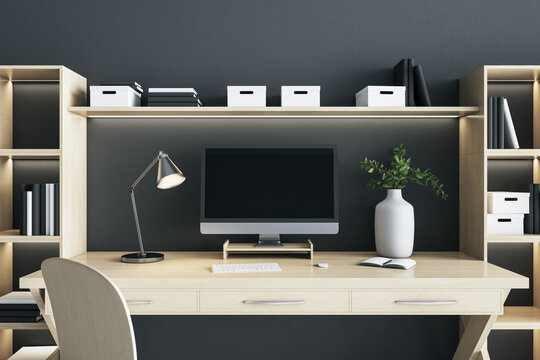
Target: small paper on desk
(404,264)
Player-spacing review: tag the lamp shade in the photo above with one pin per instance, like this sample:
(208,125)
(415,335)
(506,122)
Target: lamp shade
(168,175)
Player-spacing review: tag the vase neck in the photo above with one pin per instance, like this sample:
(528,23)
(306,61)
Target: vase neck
(394,194)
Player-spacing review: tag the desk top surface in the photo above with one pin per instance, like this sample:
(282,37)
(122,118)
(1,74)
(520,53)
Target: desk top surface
(191,270)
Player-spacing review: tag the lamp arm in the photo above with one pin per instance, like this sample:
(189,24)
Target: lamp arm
(136,216)
(143,173)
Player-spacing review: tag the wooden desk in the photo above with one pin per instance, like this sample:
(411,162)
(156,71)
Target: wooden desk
(443,283)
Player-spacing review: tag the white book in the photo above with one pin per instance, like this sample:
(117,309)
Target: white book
(47,213)
(172,90)
(404,264)
(29,213)
(50,209)
(510,131)
(17,297)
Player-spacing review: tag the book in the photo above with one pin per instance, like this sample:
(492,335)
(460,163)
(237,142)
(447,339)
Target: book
(24,210)
(421,94)
(410,82)
(50,209)
(32,312)
(56,231)
(174,104)
(36,207)
(401,76)
(536,209)
(47,213)
(180,99)
(172,90)
(42,208)
(500,122)
(528,221)
(172,94)
(495,126)
(510,138)
(490,124)
(404,264)
(20,319)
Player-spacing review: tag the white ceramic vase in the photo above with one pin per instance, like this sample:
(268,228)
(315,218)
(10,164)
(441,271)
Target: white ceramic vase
(394,226)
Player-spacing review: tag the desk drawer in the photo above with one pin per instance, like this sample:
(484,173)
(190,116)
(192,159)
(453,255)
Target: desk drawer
(461,302)
(160,301)
(274,302)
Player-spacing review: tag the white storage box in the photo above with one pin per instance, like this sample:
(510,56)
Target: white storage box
(502,202)
(505,224)
(114,96)
(384,96)
(246,96)
(300,96)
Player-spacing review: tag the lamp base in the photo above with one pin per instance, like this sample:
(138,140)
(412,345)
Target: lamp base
(138,258)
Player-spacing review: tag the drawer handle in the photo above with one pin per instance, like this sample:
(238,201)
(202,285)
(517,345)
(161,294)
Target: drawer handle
(420,302)
(270,302)
(139,302)
(511,199)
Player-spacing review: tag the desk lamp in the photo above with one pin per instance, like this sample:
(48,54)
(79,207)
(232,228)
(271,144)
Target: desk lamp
(168,177)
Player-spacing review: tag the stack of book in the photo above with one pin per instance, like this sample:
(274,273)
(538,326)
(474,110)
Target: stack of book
(40,209)
(173,97)
(411,75)
(501,131)
(532,219)
(19,306)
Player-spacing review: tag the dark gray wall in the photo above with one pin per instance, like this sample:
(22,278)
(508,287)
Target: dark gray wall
(342,45)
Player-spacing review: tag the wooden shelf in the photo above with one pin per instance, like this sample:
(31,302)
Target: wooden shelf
(30,72)
(219,111)
(30,153)
(12,236)
(40,325)
(518,318)
(513,153)
(513,73)
(526,238)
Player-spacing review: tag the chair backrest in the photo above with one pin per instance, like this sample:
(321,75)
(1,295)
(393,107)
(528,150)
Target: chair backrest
(91,316)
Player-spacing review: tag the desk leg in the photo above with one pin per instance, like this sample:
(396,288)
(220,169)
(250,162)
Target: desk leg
(39,296)
(472,343)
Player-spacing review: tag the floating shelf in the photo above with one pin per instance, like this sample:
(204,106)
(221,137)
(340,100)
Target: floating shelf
(40,325)
(513,153)
(33,73)
(13,236)
(327,111)
(518,318)
(526,238)
(30,153)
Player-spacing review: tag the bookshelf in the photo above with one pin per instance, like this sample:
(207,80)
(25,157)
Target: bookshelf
(475,160)
(71,156)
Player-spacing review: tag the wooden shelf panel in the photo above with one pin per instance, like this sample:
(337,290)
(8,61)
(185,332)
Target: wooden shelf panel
(526,238)
(40,325)
(13,236)
(518,318)
(220,111)
(30,72)
(30,153)
(513,153)
(513,72)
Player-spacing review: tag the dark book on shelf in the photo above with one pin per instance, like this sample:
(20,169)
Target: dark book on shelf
(421,94)
(495,124)
(19,307)
(36,207)
(13,313)
(528,221)
(174,104)
(26,192)
(410,82)
(490,123)
(56,209)
(536,209)
(400,76)
(180,99)
(500,122)
(20,319)
(172,94)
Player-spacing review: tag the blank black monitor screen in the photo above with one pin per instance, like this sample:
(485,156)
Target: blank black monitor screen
(269,183)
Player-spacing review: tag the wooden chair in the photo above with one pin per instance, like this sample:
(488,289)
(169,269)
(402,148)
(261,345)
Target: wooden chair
(91,316)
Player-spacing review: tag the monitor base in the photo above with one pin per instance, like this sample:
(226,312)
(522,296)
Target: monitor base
(271,240)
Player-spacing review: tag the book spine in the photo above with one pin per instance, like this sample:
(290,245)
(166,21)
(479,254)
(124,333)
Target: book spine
(490,124)
(56,209)
(24,219)
(42,209)
(47,214)
(410,83)
(536,207)
(510,131)
(29,213)
(529,218)
(50,208)
(36,197)
(495,124)
(421,94)
(500,122)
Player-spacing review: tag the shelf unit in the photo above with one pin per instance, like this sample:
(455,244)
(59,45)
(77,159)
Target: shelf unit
(474,159)
(71,156)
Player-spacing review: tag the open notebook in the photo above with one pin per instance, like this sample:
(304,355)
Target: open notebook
(404,264)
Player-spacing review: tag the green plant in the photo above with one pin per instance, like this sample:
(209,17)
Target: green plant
(400,173)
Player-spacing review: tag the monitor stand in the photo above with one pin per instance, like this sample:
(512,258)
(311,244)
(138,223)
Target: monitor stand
(269,240)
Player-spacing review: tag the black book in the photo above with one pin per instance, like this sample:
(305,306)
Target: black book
(495,124)
(19,307)
(175,104)
(25,319)
(180,99)
(11,313)
(56,209)
(24,202)
(410,82)
(36,210)
(42,209)
(529,218)
(536,209)
(172,94)
(500,122)
(401,75)
(490,124)
(421,95)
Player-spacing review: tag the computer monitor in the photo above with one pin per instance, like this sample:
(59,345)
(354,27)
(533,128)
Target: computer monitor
(269,191)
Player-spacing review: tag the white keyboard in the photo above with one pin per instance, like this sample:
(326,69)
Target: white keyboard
(245,268)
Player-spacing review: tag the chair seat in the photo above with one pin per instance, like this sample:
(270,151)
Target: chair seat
(36,353)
